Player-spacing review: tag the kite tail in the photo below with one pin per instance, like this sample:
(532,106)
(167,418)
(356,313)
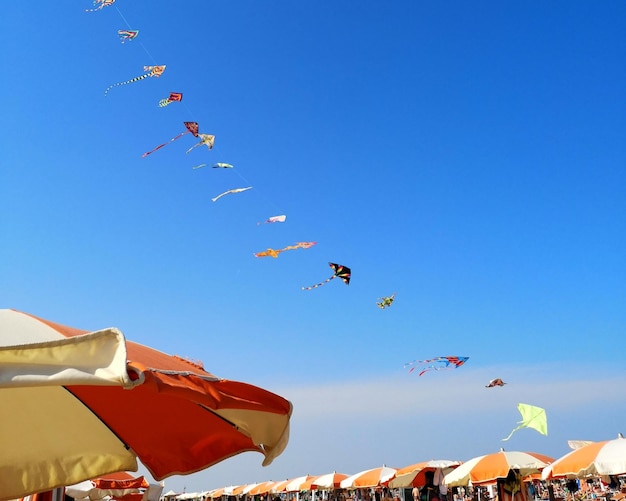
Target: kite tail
(511,434)
(164,144)
(136,79)
(199,167)
(318,285)
(164,102)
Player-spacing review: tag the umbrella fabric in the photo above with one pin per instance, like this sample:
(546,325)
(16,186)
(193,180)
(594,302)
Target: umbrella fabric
(278,487)
(414,475)
(299,484)
(117,485)
(328,481)
(369,478)
(597,458)
(77,405)
(262,488)
(488,468)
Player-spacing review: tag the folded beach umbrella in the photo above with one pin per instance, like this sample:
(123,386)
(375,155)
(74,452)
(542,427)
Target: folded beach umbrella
(414,475)
(77,405)
(488,468)
(596,458)
(369,478)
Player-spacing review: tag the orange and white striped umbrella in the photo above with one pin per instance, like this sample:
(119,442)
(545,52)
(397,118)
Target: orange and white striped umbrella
(488,468)
(415,475)
(369,478)
(328,481)
(299,484)
(597,458)
(77,405)
(262,488)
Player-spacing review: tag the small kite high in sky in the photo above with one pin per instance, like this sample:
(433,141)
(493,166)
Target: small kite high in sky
(235,190)
(274,219)
(222,165)
(100,4)
(436,364)
(192,128)
(495,382)
(274,253)
(532,417)
(126,35)
(386,302)
(152,71)
(339,271)
(207,139)
(174,97)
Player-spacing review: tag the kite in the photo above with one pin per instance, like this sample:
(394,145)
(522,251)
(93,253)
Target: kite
(436,364)
(152,71)
(495,382)
(274,253)
(236,190)
(385,302)
(174,96)
(274,219)
(218,165)
(192,128)
(207,139)
(339,270)
(100,5)
(126,35)
(532,417)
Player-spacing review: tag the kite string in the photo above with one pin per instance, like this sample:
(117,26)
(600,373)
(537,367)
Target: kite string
(140,42)
(191,114)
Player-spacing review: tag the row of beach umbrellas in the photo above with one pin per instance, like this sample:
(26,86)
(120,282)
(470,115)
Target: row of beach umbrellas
(592,459)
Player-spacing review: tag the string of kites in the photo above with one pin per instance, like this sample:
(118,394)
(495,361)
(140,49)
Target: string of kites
(532,417)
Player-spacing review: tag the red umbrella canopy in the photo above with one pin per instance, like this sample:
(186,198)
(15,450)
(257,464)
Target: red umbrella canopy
(77,405)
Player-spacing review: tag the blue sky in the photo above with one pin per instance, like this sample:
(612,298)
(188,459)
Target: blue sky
(468,156)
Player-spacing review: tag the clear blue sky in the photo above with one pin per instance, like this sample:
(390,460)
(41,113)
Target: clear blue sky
(469,156)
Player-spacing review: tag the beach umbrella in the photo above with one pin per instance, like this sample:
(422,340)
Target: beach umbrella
(278,487)
(328,481)
(299,484)
(596,458)
(369,478)
(262,488)
(488,468)
(414,475)
(115,485)
(77,405)
(239,490)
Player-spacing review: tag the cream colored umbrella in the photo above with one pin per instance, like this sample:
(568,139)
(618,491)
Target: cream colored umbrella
(369,478)
(597,458)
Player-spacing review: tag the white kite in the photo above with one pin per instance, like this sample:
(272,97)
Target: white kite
(235,190)
(274,219)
